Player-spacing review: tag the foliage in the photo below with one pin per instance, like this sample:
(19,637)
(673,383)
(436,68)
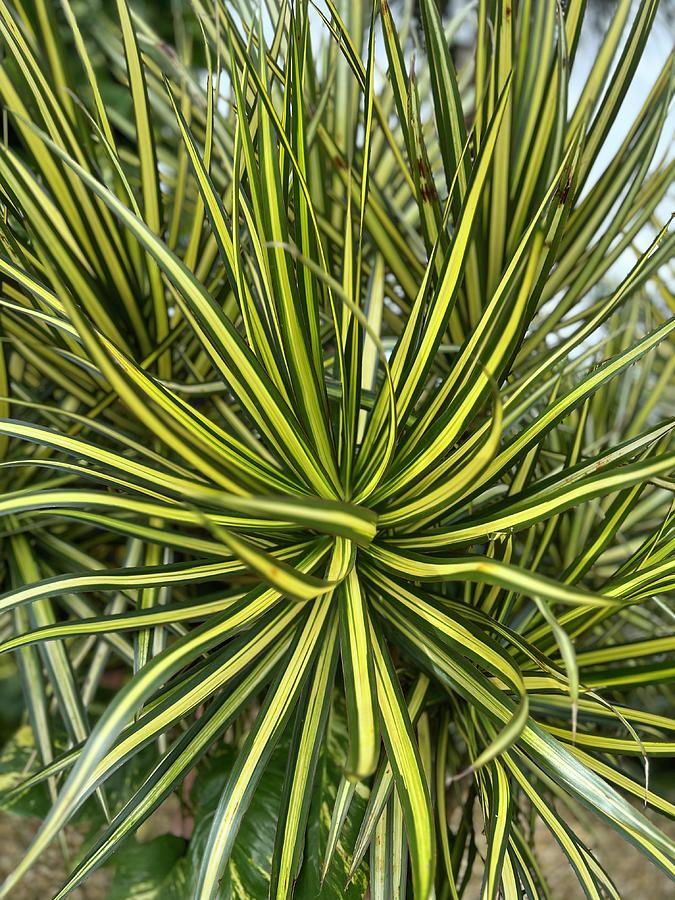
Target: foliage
(317,395)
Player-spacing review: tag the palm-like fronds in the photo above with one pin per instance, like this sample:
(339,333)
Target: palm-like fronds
(318,391)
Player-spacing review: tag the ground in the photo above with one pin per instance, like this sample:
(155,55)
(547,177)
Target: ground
(635,878)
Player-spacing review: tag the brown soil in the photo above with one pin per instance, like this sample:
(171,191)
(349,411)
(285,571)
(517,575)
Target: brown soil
(48,875)
(634,876)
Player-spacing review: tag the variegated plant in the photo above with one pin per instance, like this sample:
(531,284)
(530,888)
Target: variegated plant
(317,395)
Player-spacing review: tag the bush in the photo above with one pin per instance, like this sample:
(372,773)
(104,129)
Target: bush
(330,473)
